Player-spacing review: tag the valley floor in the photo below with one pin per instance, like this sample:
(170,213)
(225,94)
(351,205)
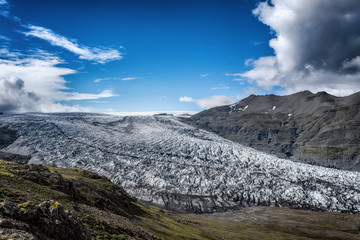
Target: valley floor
(279,223)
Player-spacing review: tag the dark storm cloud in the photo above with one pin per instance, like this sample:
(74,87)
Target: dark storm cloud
(316,45)
(13,96)
(329,36)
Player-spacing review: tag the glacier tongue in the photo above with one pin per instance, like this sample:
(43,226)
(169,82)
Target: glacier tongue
(165,162)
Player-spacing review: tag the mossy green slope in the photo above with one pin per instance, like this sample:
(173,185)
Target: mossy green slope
(46,202)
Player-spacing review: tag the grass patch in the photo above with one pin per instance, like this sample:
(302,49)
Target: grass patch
(68,173)
(7,162)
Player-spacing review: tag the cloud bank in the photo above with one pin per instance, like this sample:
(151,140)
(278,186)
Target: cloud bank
(35,83)
(32,81)
(99,55)
(316,46)
(209,102)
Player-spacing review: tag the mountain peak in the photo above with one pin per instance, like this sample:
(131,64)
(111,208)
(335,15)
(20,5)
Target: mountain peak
(281,125)
(322,93)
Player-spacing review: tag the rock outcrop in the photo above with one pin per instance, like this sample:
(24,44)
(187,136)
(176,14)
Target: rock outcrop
(47,220)
(7,137)
(45,202)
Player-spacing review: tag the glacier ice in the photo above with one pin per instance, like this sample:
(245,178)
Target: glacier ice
(163,161)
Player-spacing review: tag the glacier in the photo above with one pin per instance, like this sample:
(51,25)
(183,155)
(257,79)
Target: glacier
(164,162)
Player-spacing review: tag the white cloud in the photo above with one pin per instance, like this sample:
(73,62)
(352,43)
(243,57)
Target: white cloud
(204,75)
(316,45)
(4,8)
(114,78)
(128,78)
(99,55)
(4,38)
(249,62)
(220,88)
(87,96)
(35,83)
(213,101)
(233,74)
(250,90)
(5,53)
(241,80)
(355,62)
(264,69)
(186,99)
(102,79)
(97,101)
(209,102)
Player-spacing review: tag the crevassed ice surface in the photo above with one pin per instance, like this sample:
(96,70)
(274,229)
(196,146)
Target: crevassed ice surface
(165,162)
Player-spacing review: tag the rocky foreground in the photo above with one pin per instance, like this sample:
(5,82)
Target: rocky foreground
(167,163)
(44,202)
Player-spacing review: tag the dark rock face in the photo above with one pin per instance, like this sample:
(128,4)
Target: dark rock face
(48,220)
(320,129)
(7,137)
(14,157)
(118,201)
(44,202)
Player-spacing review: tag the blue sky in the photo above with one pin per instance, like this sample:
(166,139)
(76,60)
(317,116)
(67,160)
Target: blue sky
(158,55)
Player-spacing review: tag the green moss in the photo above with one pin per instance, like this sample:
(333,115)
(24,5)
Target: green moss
(103,230)
(55,205)
(7,162)
(3,171)
(68,173)
(25,205)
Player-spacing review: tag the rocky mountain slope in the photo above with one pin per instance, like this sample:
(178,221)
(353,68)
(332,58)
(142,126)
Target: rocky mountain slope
(165,162)
(44,202)
(319,128)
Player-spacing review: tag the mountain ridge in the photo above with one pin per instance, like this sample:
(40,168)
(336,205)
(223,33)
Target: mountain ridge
(319,128)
